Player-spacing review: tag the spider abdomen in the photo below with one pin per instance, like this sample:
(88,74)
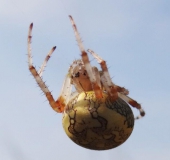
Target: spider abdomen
(98,124)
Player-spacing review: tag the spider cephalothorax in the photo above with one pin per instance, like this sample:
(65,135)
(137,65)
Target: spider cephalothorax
(96,115)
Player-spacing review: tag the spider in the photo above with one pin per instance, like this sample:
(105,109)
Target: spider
(96,115)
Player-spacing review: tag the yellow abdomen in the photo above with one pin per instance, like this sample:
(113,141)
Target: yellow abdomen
(98,124)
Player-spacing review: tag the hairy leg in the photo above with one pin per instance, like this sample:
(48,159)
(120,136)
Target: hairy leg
(105,77)
(85,59)
(58,106)
(133,103)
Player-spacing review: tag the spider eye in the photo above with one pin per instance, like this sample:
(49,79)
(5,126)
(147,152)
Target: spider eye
(77,74)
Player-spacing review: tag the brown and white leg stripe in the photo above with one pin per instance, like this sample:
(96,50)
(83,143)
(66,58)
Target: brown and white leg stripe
(85,59)
(54,104)
(106,80)
(121,90)
(40,72)
(134,104)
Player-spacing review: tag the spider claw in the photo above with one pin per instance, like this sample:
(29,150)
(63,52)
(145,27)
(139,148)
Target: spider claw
(31,26)
(54,48)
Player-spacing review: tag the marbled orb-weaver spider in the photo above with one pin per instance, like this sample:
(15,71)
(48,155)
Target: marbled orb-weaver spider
(97,115)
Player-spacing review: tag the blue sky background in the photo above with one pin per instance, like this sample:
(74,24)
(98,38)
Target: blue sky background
(132,36)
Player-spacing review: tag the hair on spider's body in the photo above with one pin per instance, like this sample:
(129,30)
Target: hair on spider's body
(96,115)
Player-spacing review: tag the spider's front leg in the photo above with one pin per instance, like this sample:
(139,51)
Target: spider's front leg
(93,79)
(105,77)
(58,105)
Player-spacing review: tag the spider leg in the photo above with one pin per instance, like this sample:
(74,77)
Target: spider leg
(65,91)
(105,77)
(45,61)
(133,103)
(85,59)
(97,75)
(121,89)
(54,104)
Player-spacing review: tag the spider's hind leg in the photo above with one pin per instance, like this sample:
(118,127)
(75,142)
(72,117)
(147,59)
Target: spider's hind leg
(121,89)
(134,104)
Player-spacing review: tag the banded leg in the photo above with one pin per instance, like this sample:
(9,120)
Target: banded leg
(58,105)
(85,59)
(105,77)
(45,61)
(121,89)
(133,103)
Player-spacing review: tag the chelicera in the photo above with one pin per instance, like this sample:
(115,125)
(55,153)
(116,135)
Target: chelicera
(97,114)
